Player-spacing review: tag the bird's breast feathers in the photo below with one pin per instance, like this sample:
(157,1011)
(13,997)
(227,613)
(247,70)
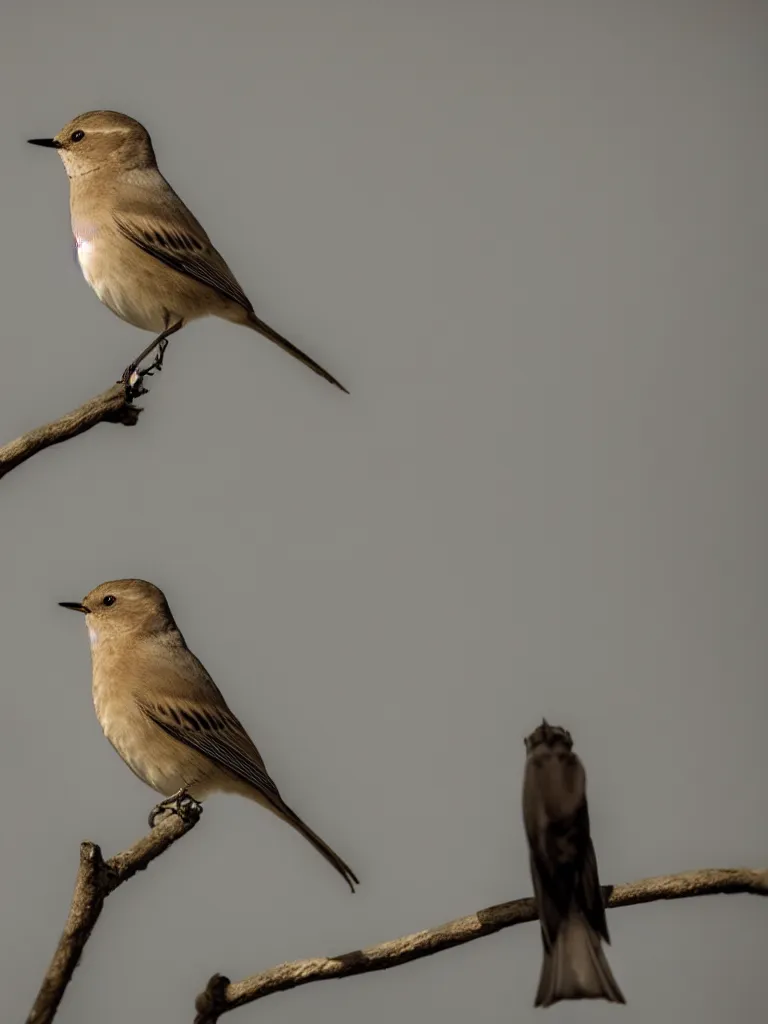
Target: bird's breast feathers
(124,288)
(85,250)
(93,261)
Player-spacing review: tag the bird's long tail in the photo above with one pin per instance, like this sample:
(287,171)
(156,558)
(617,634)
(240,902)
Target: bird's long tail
(576,967)
(287,346)
(320,845)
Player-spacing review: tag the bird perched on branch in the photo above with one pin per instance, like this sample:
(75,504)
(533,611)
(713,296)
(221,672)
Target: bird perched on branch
(165,716)
(141,250)
(564,872)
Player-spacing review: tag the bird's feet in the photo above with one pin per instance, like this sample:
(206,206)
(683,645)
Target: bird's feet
(180,803)
(133,377)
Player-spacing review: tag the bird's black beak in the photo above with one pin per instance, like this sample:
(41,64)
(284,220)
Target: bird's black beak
(75,606)
(50,143)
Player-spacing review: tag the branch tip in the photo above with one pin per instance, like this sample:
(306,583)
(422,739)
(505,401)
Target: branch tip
(112,406)
(210,1003)
(96,879)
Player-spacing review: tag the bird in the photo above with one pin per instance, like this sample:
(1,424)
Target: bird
(141,250)
(165,716)
(564,872)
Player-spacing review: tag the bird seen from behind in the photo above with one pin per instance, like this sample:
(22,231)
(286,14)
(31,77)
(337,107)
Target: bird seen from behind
(564,872)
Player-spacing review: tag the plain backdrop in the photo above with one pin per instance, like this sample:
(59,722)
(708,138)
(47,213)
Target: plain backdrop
(530,238)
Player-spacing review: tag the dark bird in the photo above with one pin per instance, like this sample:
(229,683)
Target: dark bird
(564,872)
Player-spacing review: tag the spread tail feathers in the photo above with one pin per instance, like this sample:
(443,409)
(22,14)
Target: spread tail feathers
(576,967)
(287,346)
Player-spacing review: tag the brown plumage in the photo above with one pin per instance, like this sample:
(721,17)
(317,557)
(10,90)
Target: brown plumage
(140,248)
(564,872)
(163,713)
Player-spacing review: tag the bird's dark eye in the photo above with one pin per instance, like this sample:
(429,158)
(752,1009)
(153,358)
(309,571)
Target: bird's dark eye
(109,600)
(77,136)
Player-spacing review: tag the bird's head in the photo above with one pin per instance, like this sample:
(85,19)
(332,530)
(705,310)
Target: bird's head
(123,608)
(550,736)
(102,138)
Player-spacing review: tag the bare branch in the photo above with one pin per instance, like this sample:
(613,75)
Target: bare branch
(111,406)
(96,879)
(221,995)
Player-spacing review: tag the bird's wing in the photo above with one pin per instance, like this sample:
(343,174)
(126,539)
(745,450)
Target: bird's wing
(190,708)
(550,915)
(589,894)
(182,245)
(164,228)
(217,734)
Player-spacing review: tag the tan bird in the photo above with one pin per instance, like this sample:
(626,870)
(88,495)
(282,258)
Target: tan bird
(163,713)
(141,250)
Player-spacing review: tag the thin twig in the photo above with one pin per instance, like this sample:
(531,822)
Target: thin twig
(221,995)
(96,879)
(111,406)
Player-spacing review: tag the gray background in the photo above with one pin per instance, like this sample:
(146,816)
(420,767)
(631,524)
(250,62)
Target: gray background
(531,239)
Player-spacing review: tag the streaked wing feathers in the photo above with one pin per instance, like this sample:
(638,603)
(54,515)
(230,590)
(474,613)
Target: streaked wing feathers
(218,735)
(185,250)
